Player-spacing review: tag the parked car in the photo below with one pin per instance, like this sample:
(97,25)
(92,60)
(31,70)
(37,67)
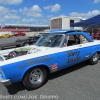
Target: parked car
(54,51)
(19,34)
(10,34)
(38,34)
(6,35)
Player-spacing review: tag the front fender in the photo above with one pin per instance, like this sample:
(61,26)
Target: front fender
(16,70)
(15,73)
(34,66)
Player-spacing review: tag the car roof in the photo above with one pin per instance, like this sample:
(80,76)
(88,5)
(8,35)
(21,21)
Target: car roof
(64,31)
(71,31)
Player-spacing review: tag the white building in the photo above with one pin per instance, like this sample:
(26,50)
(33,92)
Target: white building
(63,22)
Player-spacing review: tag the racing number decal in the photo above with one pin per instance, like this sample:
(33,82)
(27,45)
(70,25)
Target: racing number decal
(73,56)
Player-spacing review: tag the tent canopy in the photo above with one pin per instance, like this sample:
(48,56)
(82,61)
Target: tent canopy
(94,21)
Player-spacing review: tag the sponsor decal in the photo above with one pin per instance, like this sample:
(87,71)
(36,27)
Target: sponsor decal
(35,61)
(54,67)
(74,53)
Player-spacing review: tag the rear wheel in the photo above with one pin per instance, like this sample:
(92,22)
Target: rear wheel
(35,78)
(94,59)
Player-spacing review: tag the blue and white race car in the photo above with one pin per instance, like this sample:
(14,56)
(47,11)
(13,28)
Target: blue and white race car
(54,51)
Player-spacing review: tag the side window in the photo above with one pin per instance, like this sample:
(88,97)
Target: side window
(83,39)
(74,40)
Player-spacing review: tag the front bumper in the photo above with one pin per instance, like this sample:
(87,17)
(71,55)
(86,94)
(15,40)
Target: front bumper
(6,82)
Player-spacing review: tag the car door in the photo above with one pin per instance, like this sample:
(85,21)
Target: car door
(75,52)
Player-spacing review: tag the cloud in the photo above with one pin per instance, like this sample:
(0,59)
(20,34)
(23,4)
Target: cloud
(48,7)
(14,11)
(28,20)
(89,14)
(3,10)
(11,16)
(11,2)
(5,14)
(34,21)
(53,8)
(34,11)
(96,1)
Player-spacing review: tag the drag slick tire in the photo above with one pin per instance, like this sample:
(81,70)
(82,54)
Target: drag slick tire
(94,59)
(35,78)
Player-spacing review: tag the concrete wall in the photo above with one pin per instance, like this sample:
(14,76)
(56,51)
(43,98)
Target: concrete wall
(1,33)
(29,33)
(32,33)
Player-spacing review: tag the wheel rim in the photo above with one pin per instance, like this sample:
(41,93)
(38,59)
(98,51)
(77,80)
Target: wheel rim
(95,57)
(36,76)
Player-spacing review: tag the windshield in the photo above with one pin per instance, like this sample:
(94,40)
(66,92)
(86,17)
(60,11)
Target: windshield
(49,40)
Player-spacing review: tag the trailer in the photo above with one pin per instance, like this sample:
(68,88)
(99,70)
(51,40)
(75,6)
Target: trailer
(17,42)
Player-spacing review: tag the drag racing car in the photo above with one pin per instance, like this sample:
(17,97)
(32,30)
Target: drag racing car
(54,51)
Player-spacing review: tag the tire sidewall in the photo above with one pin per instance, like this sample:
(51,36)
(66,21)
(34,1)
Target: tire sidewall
(92,61)
(29,85)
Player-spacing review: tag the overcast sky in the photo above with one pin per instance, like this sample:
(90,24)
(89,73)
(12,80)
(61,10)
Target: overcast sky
(40,11)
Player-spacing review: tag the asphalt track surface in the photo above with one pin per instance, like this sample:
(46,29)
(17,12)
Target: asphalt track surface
(79,82)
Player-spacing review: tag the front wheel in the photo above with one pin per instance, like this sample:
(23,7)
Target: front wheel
(94,59)
(35,78)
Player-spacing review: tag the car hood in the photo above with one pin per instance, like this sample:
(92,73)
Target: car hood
(33,52)
(36,49)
